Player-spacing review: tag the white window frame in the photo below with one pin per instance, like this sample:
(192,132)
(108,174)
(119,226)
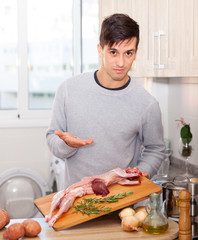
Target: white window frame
(23,116)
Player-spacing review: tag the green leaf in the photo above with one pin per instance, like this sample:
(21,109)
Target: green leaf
(186,134)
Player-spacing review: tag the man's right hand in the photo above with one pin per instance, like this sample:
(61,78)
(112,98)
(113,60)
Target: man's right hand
(73,141)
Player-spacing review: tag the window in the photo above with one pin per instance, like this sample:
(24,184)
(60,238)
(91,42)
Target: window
(90,24)
(41,44)
(49,38)
(8,55)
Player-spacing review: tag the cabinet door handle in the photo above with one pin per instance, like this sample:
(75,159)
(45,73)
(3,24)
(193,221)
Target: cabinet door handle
(161,33)
(155,35)
(158,35)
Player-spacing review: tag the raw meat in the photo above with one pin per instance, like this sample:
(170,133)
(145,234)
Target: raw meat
(99,187)
(88,185)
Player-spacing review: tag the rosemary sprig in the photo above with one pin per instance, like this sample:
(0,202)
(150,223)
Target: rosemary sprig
(113,198)
(89,208)
(87,205)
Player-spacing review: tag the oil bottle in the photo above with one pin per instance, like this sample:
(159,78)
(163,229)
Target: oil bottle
(155,222)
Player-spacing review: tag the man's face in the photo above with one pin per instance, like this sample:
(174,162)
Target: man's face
(117,60)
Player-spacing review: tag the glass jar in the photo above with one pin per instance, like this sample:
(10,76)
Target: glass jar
(155,222)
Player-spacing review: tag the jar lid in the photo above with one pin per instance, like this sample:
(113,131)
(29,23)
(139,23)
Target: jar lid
(158,179)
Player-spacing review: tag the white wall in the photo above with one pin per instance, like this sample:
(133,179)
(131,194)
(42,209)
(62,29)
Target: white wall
(178,97)
(183,102)
(25,147)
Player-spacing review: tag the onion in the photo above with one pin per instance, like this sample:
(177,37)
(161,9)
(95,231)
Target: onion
(194,180)
(130,223)
(140,208)
(126,212)
(141,216)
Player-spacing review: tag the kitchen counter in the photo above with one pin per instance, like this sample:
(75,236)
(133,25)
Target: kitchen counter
(174,170)
(102,228)
(177,167)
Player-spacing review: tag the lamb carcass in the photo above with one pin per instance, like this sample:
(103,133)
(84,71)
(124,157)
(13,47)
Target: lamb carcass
(88,185)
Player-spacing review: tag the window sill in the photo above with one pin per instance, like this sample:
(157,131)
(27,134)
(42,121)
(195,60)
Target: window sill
(24,123)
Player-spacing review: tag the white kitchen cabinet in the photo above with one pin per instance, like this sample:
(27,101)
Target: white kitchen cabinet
(106,8)
(194,44)
(157,37)
(177,20)
(183,38)
(168,35)
(141,17)
(139,12)
(190,38)
(166,28)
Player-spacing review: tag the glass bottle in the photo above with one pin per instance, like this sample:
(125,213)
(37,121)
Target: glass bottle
(155,222)
(186,147)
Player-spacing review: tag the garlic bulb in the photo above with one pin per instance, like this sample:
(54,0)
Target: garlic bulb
(126,212)
(141,216)
(130,223)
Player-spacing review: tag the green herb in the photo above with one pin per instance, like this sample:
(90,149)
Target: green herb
(113,198)
(87,205)
(89,208)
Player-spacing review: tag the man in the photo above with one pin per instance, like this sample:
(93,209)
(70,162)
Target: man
(105,120)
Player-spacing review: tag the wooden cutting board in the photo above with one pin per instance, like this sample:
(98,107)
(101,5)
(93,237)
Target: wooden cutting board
(69,219)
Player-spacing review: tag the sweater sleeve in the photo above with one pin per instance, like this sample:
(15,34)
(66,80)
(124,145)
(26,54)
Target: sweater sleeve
(151,135)
(59,122)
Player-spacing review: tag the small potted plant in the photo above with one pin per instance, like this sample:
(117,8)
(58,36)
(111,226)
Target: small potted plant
(186,138)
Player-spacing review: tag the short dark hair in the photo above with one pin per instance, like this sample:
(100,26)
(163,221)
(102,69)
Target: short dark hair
(117,28)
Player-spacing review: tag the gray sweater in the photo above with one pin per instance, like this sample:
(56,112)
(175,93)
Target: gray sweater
(125,125)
